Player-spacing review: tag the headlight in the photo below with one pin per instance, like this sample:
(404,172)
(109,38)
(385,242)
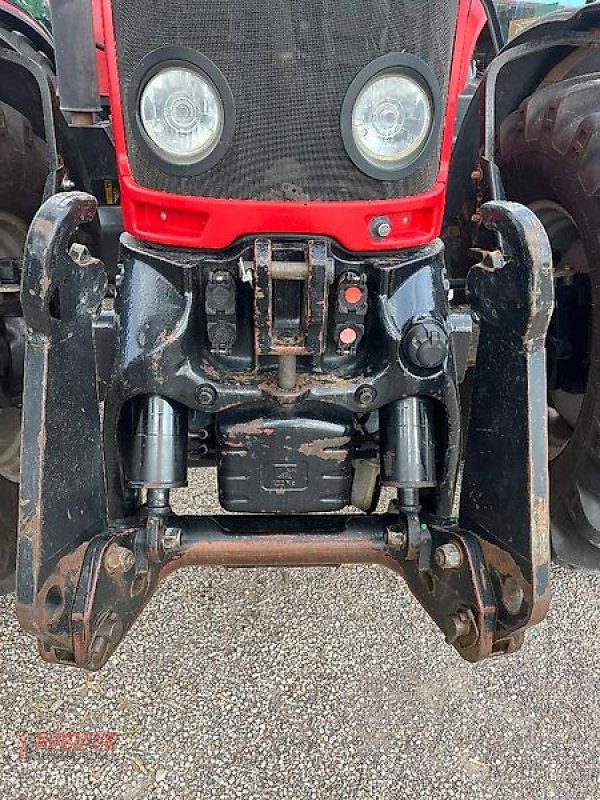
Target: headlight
(389,115)
(183,110)
(391,120)
(182,114)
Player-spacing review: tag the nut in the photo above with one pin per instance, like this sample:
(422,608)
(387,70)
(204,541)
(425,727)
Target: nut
(80,254)
(206,395)
(448,556)
(365,395)
(118,560)
(381,228)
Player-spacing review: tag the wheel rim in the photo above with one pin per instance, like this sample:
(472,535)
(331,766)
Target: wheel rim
(13,232)
(569,337)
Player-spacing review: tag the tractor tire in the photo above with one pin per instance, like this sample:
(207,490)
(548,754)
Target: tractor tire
(549,157)
(23,171)
(9,504)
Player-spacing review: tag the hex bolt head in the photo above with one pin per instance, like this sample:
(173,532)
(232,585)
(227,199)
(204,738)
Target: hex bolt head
(206,395)
(381,228)
(448,556)
(80,254)
(365,395)
(118,560)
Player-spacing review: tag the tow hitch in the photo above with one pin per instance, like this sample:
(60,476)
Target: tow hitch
(84,577)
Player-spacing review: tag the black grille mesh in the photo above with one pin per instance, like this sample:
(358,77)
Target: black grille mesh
(289,64)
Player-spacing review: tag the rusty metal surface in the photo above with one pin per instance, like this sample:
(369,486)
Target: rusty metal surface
(463,601)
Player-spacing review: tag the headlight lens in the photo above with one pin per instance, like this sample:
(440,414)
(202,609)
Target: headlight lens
(392,119)
(182,114)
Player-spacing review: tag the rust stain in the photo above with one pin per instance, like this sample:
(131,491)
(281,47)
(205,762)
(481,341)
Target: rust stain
(64,579)
(255,427)
(335,449)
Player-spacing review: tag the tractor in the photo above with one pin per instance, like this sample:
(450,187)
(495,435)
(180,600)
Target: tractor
(325,248)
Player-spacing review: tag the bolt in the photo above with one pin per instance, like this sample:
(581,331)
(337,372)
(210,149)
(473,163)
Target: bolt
(67,185)
(459,626)
(381,228)
(448,556)
(80,254)
(365,395)
(171,539)
(220,276)
(118,560)
(476,219)
(396,537)
(477,175)
(108,633)
(206,395)
(98,652)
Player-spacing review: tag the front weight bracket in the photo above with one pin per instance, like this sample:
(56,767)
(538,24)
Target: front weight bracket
(505,493)
(83,579)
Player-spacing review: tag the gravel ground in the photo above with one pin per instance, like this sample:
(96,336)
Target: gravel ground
(322,683)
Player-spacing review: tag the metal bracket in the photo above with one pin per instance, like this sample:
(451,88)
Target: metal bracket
(62,500)
(316,274)
(504,497)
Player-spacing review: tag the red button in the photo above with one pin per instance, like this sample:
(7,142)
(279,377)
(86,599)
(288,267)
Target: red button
(348,336)
(353,295)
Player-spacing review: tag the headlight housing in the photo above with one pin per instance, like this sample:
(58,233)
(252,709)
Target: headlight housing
(390,114)
(184,110)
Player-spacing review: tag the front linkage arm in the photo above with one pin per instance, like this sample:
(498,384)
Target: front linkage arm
(83,579)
